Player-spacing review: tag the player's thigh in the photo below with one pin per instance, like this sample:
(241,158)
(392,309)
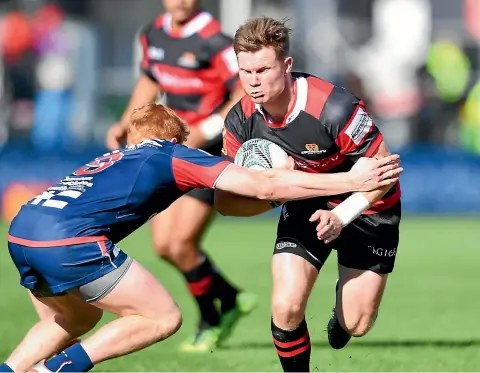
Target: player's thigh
(359,292)
(184,221)
(138,293)
(162,228)
(69,311)
(194,212)
(293,280)
(298,236)
(298,257)
(366,255)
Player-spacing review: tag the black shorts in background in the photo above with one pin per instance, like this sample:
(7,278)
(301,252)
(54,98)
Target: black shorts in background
(369,242)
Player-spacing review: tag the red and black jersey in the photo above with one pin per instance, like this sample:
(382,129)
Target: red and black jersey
(326,130)
(195,67)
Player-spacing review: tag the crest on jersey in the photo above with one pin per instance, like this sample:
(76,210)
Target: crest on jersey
(188,59)
(313,149)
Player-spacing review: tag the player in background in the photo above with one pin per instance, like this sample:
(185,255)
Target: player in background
(326,129)
(63,242)
(187,58)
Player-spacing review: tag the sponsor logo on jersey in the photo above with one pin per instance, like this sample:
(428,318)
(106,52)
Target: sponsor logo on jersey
(359,127)
(313,149)
(170,80)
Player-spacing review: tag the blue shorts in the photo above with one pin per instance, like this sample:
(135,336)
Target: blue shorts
(62,268)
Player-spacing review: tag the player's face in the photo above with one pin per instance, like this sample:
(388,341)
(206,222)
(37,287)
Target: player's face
(263,75)
(181,10)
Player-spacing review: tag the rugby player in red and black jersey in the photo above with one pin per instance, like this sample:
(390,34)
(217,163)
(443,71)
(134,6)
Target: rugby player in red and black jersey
(187,58)
(324,128)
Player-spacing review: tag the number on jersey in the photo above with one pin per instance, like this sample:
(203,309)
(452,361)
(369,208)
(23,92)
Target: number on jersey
(46,199)
(99,164)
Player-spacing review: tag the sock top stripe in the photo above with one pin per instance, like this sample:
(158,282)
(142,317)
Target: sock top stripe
(293,353)
(292,343)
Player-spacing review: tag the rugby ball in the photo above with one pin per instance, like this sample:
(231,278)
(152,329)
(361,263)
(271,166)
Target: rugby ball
(260,154)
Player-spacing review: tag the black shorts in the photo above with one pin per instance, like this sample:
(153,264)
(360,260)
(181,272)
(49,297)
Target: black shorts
(369,242)
(206,195)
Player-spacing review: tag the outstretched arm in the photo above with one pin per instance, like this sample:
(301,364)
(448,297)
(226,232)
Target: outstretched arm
(292,185)
(368,174)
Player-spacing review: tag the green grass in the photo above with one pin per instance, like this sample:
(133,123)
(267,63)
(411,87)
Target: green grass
(427,321)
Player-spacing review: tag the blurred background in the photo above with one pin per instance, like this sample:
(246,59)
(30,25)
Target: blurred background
(67,68)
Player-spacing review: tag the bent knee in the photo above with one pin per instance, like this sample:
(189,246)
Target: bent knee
(83,322)
(168,324)
(287,314)
(361,324)
(161,246)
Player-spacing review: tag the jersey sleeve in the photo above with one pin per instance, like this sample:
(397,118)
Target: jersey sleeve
(233,133)
(145,64)
(224,60)
(353,129)
(193,168)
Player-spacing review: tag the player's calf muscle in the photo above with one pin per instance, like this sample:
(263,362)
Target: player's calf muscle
(359,323)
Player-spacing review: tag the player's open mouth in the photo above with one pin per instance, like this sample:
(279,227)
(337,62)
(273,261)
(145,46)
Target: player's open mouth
(256,95)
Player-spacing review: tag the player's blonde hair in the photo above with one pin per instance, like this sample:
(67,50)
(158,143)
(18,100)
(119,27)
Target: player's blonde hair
(258,33)
(156,121)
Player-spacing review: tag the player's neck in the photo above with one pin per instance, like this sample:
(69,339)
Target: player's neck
(177,26)
(281,105)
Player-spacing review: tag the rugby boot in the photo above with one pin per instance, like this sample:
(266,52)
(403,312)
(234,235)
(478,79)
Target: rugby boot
(245,303)
(204,340)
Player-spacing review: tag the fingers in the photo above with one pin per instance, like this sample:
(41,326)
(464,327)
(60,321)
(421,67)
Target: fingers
(323,219)
(388,182)
(316,215)
(383,169)
(322,229)
(389,159)
(323,224)
(329,232)
(392,173)
(328,228)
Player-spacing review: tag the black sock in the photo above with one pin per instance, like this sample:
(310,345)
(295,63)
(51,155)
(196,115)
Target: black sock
(223,291)
(293,347)
(200,281)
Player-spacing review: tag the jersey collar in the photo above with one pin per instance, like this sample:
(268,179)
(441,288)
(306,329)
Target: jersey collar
(300,102)
(194,25)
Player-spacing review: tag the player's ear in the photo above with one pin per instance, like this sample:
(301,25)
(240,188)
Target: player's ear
(174,140)
(288,65)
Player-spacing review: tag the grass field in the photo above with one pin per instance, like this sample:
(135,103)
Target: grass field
(427,321)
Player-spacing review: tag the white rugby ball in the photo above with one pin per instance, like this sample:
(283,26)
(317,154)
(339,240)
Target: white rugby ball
(260,154)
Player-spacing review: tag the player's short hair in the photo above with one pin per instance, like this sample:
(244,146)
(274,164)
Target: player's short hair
(261,32)
(157,121)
